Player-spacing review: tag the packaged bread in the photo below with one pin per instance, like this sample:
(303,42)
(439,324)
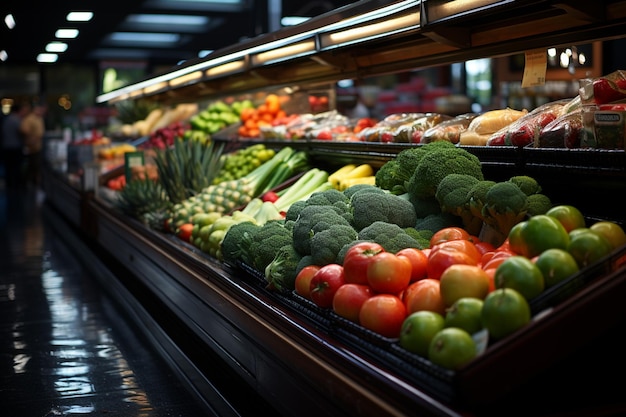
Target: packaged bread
(483,126)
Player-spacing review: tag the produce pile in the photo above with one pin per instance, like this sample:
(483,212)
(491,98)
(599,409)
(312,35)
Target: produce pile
(424,281)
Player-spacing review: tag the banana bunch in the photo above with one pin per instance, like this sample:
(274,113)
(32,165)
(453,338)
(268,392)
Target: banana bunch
(352,174)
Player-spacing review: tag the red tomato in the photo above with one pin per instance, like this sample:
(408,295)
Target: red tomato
(419,262)
(439,260)
(303,280)
(383,314)
(356,260)
(325,283)
(184,231)
(484,247)
(388,273)
(449,233)
(348,300)
(424,295)
(493,259)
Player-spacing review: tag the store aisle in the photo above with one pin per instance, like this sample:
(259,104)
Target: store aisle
(65,348)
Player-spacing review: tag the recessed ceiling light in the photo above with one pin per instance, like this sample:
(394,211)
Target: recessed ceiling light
(204,53)
(56,47)
(79,16)
(66,33)
(167,19)
(47,57)
(9,20)
(293,20)
(3,55)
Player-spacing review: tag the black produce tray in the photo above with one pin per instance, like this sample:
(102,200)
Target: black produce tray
(437,381)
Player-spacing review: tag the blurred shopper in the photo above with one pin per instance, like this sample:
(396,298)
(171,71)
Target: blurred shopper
(12,147)
(33,129)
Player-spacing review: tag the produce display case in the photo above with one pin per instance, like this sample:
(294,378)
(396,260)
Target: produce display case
(322,364)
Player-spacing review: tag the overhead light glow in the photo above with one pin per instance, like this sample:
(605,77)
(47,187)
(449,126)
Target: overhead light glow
(3,55)
(204,53)
(9,20)
(145,38)
(66,33)
(293,20)
(167,19)
(56,47)
(79,16)
(47,57)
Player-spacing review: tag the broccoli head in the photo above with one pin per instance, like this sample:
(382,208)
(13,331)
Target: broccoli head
(362,188)
(528,184)
(312,220)
(332,198)
(368,208)
(326,244)
(476,196)
(436,222)
(453,197)
(281,273)
(390,236)
(395,173)
(538,204)
(266,242)
(438,162)
(294,209)
(236,243)
(505,205)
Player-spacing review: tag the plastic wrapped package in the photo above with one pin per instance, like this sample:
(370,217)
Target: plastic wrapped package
(449,130)
(483,126)
(566,131)
(524,131)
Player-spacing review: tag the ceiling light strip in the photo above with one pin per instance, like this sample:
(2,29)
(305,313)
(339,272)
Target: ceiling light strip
(280,49)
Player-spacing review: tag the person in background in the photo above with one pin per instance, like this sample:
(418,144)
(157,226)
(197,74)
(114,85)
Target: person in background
(12,147)
(33,128)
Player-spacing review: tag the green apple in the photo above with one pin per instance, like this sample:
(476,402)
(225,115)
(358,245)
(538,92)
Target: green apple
(588,247)
(504,311)
(556,265)
(452,348)
(520,273)
(418,330)
(465,314)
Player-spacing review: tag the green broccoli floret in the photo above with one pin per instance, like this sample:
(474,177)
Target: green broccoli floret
(422,236)
(528,184)
(538,204)
(312,220)
(436,222)
(304,261)
(389,235)
(505,205)
(293,211)
(236,242)
(326,244)
(281,273)
(365,188)
(453,197)
(438,162)
(332,198)
(395,173)
(368,208)
(267,241)
(476,196)
(425,206)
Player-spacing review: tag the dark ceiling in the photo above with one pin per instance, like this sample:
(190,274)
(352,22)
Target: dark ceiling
(228,24)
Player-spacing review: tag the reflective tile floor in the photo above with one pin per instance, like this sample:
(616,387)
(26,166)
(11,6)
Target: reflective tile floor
(65,350)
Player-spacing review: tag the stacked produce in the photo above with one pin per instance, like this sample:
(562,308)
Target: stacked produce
(215,117)
(164,137)
(241,162)
(425,281)
(253,119)
(228,195)
(158,118)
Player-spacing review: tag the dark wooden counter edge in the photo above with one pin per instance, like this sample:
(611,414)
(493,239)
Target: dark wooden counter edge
(269,346)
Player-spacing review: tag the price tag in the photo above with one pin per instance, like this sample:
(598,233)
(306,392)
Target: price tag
(132,159)
(535,68)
